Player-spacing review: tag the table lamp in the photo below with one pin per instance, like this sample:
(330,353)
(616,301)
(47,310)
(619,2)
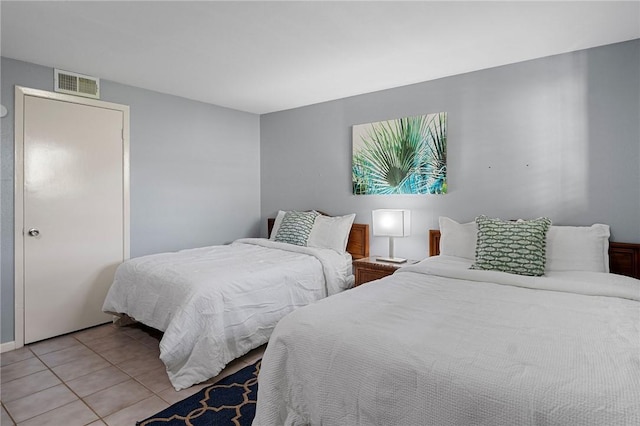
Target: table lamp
(391,223)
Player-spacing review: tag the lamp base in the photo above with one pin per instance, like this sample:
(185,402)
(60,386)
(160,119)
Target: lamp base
(391,259)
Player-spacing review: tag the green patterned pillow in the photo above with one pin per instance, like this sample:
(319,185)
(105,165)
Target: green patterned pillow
(513,247)
(296,227)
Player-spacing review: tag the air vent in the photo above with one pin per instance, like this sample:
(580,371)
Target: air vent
(76,84)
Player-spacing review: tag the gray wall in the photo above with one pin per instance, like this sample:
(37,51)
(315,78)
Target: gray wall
(195,172)
(556,137)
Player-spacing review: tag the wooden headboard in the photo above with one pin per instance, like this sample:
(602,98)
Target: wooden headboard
(624,258)
(358,243)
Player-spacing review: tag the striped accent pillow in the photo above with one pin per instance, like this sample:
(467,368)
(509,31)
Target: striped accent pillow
(296,227)
(513,247)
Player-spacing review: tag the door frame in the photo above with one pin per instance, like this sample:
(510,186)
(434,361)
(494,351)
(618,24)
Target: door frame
(20,94)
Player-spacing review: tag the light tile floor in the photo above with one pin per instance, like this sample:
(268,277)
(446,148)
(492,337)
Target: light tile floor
(103,375)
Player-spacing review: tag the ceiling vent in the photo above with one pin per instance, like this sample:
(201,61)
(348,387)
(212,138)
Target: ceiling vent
(73,83)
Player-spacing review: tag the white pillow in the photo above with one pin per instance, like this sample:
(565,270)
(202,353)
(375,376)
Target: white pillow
(331,232)
(458,239)
(276,224)
(578,248)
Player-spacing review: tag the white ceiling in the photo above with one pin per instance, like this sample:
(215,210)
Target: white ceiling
(270,56)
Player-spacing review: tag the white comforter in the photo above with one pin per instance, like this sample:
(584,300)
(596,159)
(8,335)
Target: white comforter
(453,349)
(217,303)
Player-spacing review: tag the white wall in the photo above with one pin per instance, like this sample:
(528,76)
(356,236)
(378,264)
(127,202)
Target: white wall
(556,137)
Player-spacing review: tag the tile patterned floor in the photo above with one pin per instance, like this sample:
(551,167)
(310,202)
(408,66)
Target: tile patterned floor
(105,375)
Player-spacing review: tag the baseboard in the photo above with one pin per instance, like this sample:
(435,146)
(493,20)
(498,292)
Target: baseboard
(7,346)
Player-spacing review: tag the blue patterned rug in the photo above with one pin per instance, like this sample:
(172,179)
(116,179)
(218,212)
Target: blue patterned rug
(231,401)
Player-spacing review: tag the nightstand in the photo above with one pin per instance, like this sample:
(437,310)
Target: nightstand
(369,269)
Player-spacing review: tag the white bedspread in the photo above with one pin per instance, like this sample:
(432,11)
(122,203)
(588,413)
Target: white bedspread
(217,303)
(452,349)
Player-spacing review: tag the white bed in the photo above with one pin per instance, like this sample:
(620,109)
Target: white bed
(440,344)
(217,303)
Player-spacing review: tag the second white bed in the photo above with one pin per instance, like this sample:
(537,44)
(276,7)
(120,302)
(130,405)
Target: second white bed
(216,303)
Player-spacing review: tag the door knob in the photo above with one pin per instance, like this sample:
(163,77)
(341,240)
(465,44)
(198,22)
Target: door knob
(34,232)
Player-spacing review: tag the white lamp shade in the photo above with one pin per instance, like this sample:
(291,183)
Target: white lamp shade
(391,223)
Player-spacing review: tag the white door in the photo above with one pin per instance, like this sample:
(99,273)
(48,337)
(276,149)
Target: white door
(75,229)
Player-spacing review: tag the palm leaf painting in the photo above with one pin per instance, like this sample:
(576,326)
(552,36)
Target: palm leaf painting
(403,156)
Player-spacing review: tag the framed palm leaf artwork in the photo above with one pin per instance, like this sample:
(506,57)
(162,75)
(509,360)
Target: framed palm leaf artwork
(403,156)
